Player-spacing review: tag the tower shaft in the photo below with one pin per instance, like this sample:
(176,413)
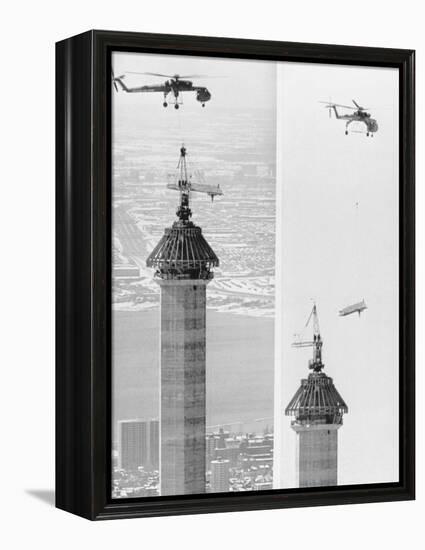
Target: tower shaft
(317,408)
(183,391)
(317,455)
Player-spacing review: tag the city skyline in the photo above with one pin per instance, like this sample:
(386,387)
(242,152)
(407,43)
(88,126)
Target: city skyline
(248,456)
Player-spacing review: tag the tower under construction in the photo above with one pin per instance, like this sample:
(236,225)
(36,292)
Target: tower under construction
(317,409)
(183,261)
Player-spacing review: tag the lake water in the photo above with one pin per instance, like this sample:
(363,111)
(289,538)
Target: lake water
(240,364)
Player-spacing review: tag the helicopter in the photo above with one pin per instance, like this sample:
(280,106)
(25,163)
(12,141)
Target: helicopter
(174,85)
(360,115)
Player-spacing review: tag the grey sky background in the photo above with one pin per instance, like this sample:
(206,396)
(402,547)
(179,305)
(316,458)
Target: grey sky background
(337,254)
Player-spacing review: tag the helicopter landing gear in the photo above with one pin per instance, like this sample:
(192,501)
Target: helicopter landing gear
(176,106)
(203,104)
(346,132)
(367,134)
(165,104)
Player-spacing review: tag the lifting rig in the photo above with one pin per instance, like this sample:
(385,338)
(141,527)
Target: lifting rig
(185,186)
(316,363)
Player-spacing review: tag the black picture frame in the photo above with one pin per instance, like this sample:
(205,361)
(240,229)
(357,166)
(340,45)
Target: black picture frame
(83,179)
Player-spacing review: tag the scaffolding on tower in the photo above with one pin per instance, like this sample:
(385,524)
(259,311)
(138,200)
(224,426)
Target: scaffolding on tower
(317,399)
(183,251)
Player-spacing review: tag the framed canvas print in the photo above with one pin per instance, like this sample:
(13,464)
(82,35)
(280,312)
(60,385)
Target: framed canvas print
(235,274)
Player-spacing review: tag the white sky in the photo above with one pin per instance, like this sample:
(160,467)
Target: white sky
(337,255)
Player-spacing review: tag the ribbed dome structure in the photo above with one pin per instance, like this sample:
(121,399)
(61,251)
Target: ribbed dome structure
(317,397)
(183,253)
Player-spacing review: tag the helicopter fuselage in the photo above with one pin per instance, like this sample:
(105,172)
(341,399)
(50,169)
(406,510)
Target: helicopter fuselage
(176,86)
(359,116)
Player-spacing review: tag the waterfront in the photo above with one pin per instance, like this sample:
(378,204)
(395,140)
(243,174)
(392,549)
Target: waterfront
(239,367)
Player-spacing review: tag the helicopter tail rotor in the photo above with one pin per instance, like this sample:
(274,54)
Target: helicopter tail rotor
(329,106)
(116,79)
(113,80)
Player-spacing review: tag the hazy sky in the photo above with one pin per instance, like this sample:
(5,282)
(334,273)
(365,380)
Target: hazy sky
(337,254)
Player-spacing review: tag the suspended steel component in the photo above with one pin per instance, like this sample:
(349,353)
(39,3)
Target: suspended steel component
(354,308)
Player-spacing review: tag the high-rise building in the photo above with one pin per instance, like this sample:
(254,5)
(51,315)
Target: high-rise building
(183,261)
(229,453)
(138,444)
(317,409)
(211,442)
(154,444)
(220,474)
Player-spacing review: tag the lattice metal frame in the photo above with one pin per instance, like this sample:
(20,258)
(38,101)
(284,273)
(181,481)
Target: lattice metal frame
(317,396)
(183,250)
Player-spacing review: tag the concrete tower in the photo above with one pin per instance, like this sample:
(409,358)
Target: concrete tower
(183,261)
(317,409)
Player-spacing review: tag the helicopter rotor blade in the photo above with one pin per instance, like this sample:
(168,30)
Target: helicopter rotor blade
(337,105)
(359,107)
(151,74)
(192,76)
(170,75)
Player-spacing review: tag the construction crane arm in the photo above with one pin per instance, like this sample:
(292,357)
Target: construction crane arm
(316,363)
(313,315)
(303,344)
(209,189)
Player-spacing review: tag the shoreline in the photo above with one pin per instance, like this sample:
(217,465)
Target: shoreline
(236,346)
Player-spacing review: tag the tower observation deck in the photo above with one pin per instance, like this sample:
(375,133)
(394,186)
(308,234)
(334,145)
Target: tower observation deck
(183,262)
(317,409)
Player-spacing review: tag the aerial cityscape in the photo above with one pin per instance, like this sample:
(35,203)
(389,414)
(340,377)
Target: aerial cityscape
(241,223)
(234,461)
